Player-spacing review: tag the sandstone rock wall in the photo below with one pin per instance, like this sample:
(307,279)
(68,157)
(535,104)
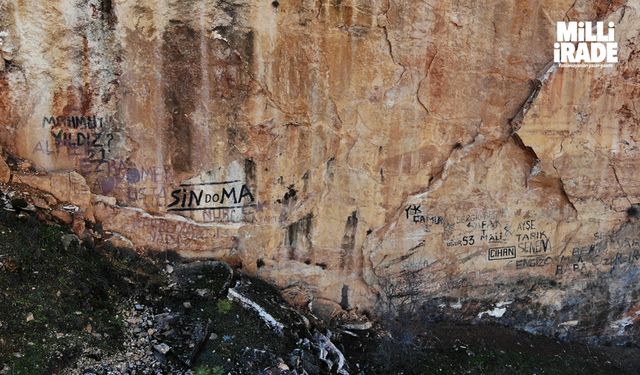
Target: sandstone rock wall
(359,154)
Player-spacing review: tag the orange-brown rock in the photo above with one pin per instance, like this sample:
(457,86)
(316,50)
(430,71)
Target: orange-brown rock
(78,225)
(5,172)
(63,216)
(378,155)
(66,187)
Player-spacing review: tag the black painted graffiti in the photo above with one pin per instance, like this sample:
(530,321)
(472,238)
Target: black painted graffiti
(495,237)
(533,262)
(464,241)
(414,212)
(79,139)
(413,209)
(483,224)
(83,137)
(531,241)
(534,248)
(225,195)
(498,253)
(77,122)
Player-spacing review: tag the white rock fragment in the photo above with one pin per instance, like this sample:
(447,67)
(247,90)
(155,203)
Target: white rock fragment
(497,312)
(330,354)
(71,208)
(283,367)
(358,326)
(233,295)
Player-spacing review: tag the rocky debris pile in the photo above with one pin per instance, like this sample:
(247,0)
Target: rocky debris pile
(319,355)
(314,352)
(13,202)
(180,336)
(161,343)
(202,323)
(25,201)
(162,339)
(142,352)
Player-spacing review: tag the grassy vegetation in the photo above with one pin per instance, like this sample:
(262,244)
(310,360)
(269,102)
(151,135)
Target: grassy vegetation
(224,306)
(73,294)
(57,300)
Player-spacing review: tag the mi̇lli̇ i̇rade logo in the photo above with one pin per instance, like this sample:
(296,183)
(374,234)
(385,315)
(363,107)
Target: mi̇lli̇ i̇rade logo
(583,44)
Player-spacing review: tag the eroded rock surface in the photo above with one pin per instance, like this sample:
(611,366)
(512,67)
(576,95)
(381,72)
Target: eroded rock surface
(369,155)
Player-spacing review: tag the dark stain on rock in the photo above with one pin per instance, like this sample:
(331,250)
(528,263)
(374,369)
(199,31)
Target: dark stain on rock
(240,39)
(290,196)
(182,76)
(247,43)
(344,300)
(349,241)
(305,179)
(86,95)
(298,237)
(634,211)
(328,175)
(107,12)
(250,174)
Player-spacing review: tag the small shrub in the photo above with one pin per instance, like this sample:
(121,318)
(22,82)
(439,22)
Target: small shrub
(224,306)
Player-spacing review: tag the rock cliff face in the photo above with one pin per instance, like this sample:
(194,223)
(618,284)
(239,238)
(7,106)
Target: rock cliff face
(377,155)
